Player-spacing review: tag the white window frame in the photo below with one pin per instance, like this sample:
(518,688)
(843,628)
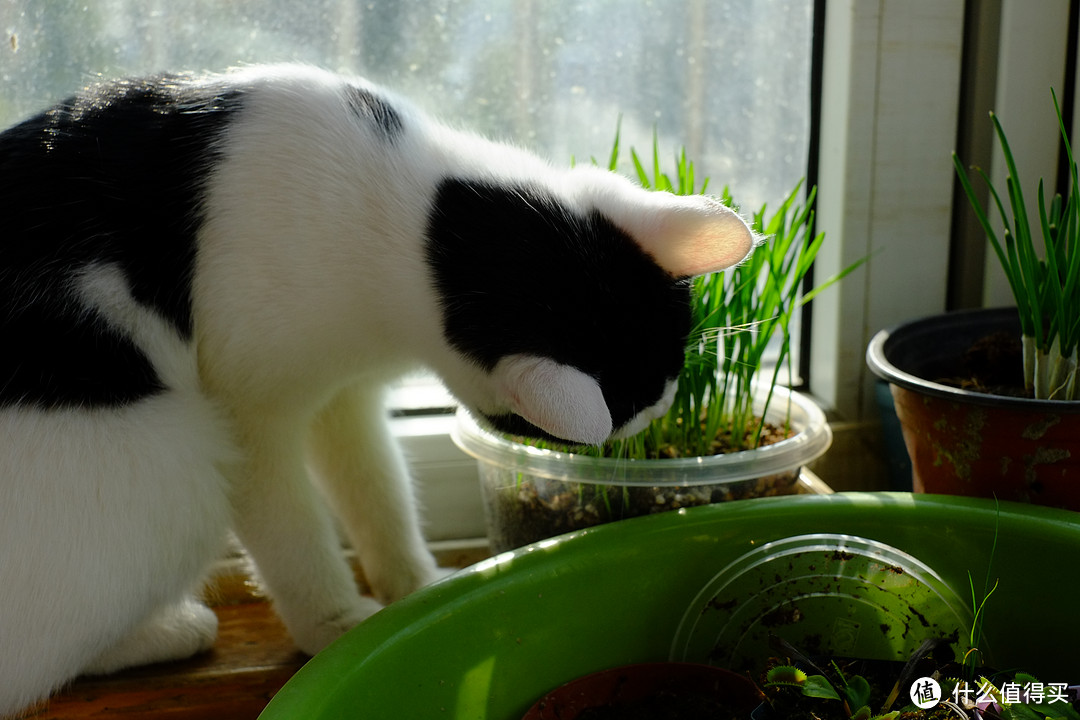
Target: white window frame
(885,179)
(890,104)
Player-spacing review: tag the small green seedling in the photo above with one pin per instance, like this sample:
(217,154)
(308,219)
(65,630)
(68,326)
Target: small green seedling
(973,657)
(854,692)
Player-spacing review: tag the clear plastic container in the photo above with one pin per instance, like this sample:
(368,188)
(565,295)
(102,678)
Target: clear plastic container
(531,494)
(826,594)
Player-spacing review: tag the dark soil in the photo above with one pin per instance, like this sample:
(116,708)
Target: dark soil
(788,703)
(994,365)
(663,706)
(526,514)
(533,510)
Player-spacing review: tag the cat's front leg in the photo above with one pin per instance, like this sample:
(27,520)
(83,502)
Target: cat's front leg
(359,465)
(286,529)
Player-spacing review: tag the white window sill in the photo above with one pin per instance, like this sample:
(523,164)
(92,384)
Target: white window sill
(446,478)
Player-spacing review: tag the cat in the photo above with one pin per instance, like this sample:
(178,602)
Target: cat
(206,282)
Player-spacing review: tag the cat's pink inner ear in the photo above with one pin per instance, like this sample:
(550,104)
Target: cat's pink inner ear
(556,398)
(697,235)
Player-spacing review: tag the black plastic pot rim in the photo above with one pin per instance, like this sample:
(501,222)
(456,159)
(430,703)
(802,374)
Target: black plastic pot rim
(880,365)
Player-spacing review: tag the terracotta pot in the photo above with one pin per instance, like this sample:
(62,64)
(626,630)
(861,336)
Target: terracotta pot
(969,443)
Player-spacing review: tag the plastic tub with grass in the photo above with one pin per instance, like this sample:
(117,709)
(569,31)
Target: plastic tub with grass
(531,494)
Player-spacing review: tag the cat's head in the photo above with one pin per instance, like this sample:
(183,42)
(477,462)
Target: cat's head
(572,296)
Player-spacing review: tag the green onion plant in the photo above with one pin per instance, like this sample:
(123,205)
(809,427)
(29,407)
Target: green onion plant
(1047,289)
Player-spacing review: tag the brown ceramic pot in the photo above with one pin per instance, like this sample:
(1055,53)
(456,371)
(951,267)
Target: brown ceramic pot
(963,442)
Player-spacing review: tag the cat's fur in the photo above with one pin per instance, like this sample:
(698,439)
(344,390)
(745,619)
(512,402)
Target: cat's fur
(205,283)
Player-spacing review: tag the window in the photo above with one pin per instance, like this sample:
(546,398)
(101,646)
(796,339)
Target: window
(728,79)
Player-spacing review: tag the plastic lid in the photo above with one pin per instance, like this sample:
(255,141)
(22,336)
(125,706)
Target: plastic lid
(831,595)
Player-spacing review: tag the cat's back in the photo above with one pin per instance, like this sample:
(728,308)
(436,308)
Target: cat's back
(120,177)
(112,177)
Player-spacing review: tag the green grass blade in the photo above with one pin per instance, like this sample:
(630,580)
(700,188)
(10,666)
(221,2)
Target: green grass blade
(825,285)
(642,176)
(1068,240)
(613,159)
(977,208)
(1024,246)
(1016,195)
(1051,301)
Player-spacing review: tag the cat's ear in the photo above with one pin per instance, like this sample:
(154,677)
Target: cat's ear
(557,398)
(687,235)
(693,235)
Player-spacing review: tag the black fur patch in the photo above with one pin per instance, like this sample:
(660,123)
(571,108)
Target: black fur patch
(62,360)
(112,176)
(371,108)
(517,272)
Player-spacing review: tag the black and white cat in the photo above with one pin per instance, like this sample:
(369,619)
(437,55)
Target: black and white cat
(206,283)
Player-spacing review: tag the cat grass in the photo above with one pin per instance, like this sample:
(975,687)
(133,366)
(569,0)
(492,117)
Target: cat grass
(739,316)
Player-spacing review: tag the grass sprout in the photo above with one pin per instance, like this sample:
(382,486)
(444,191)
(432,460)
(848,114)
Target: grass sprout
(739,316)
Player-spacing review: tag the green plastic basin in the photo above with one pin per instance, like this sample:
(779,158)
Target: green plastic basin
(487,642)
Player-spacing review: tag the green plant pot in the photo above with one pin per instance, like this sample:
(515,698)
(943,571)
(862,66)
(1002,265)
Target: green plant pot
(531,494)
(969,443)
(488,642)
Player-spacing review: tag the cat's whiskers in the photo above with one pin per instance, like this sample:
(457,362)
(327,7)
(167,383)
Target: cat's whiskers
(709,334)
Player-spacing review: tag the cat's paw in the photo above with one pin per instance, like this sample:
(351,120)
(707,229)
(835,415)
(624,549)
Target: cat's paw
(392,586)
(173,633)
(315,636)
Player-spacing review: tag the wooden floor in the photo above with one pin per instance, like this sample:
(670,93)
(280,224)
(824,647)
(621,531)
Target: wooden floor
(252,658)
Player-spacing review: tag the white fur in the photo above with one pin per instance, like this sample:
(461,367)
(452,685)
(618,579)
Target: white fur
(641,421)
(108,517)
(309,294)
(554,397)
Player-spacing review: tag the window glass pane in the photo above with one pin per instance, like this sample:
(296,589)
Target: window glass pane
(727,79)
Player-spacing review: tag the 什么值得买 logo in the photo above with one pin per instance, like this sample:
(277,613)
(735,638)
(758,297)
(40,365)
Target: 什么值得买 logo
(927,693)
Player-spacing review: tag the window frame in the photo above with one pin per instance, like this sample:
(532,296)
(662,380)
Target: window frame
(887,196)
(869,162)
